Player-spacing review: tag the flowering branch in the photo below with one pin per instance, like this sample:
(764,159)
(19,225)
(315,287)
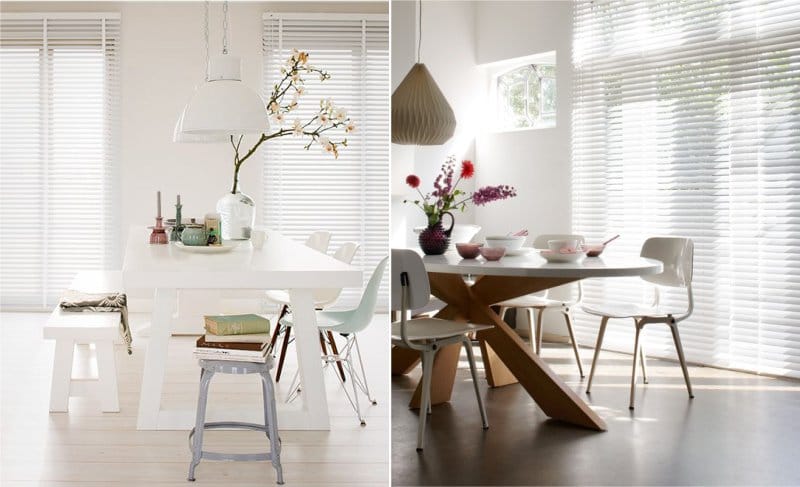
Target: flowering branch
(328,117)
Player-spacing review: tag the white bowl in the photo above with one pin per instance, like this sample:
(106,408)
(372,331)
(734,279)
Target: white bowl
(556,245)
(510,242)
(558,257)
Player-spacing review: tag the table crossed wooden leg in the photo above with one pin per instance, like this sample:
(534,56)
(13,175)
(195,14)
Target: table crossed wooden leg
(507,359)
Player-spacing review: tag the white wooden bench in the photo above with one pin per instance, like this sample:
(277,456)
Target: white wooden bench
(71,328)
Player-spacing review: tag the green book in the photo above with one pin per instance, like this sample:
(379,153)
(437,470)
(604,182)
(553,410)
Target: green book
(236,324)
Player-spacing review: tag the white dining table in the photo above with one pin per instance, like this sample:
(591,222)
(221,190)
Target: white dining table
(280,264)
(507,359)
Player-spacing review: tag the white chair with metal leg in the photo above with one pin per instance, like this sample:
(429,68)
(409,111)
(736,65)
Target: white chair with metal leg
(347,324)
(322,299)
(677,255)
(411,290)
(319,241)
(535,304)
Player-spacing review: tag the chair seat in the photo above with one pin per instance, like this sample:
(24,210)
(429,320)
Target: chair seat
(323,321)
(532,301)
(625,310)
(281,297)
(434,329)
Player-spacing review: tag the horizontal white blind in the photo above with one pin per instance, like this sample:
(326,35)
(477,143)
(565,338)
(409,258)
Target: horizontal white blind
(308,190)
(59,92)
(687,122)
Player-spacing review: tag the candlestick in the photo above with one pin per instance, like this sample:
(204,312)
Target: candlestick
(158,203)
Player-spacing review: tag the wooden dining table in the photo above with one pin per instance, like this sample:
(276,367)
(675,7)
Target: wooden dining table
(469,288)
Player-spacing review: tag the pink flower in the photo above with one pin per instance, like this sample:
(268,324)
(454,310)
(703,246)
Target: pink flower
(467,169)
(487,194)
(413,181)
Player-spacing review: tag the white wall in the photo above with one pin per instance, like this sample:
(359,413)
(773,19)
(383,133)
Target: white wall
(448,50)
(536,161)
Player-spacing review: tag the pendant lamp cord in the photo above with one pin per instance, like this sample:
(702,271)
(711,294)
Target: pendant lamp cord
(205,36)
(419,33)
(225,27)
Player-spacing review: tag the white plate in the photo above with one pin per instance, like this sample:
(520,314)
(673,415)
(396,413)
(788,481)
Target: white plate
(558,257)
(519,251)
(207,249)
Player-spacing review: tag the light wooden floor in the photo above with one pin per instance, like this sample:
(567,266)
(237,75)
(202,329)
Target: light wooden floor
(86,447)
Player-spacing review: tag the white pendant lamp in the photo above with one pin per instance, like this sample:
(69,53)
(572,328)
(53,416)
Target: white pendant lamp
(223,105)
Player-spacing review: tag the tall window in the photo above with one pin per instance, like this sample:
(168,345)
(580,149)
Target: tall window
(687,122)
(58,115)
(308,190)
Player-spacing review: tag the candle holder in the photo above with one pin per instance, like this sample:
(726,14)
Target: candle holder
(175,234)
(158,235)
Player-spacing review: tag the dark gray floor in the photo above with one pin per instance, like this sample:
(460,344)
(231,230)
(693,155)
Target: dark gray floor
(740,429)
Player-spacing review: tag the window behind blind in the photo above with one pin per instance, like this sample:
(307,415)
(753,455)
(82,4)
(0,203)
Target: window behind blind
(687,122)
(59,92)
(308,190)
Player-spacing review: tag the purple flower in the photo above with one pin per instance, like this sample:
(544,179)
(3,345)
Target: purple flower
(487,194)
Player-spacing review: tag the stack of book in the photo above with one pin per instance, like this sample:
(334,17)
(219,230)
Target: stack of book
(241,338)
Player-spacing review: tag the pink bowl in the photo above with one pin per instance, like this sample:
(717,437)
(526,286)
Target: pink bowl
(493,253)
(468,250)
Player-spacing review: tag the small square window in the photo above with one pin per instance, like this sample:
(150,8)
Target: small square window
(526,97)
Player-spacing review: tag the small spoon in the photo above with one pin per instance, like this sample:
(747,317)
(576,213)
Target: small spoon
(610,240)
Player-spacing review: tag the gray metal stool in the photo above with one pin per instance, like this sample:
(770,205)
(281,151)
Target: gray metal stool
(270,426)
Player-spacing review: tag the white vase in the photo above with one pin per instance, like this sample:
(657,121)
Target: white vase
(237,213)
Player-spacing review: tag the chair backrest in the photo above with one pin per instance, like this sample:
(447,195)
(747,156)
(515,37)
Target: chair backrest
(362,316)
(319,241)
(345,253)
(677,255)
(407,264)
(540,242)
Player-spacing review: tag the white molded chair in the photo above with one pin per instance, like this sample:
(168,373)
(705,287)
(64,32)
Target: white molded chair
(537,303)
(411,290)
(322,299)
(677,256)
(348,324)
(319,241)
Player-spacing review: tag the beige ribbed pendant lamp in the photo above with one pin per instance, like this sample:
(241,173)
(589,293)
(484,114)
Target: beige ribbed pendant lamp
(420,112)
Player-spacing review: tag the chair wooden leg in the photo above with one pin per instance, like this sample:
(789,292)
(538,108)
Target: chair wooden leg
(600,334)
(572,340)
(335,351)
(633,372)
(679,348)
(539,330)
(282,358)
(277,331)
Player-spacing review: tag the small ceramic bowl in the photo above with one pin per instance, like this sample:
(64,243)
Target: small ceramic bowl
(557,245)
(469,250)
(594,250)
(493,253)
(510,242)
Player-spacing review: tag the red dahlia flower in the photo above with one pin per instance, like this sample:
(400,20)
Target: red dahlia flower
(467,169)
(412,180)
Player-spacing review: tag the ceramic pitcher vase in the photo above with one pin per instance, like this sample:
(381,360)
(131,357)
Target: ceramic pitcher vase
(434,240)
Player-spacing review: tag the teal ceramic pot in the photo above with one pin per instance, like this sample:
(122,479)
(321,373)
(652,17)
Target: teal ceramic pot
(194,235)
